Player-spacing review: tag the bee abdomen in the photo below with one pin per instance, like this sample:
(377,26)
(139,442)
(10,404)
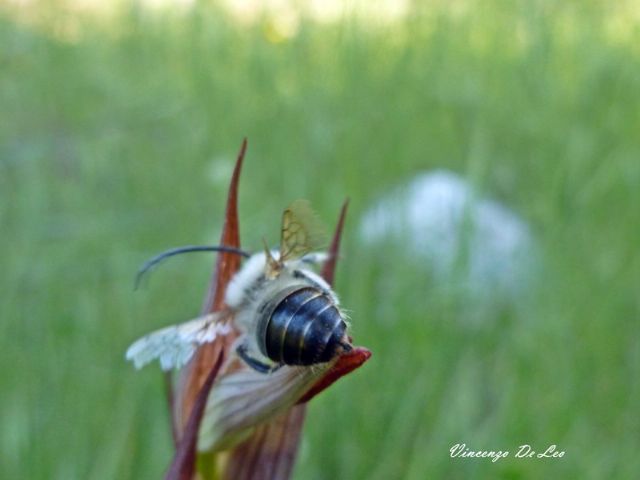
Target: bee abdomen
(304,328)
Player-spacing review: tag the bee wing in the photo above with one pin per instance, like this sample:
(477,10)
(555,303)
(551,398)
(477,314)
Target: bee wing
(301,231)
(243,399)
(175,345)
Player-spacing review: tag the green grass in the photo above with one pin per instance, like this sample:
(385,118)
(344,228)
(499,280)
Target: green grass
(117,138)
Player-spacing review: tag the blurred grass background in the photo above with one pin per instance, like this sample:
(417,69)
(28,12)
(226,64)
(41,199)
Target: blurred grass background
(118,132)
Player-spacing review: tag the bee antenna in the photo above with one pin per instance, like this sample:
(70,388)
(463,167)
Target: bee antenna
(273,266)
(152,262)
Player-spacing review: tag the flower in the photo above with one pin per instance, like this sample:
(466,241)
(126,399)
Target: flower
(245,424)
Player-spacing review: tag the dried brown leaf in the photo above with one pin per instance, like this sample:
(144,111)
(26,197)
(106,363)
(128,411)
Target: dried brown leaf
(183,464)
(196,380)
(193,376)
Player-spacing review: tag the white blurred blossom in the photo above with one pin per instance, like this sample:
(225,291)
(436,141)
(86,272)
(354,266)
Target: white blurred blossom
(437,221)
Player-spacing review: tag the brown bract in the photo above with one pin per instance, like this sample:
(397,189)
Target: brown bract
(270,450)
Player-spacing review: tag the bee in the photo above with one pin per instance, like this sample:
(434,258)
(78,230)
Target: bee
(285,312)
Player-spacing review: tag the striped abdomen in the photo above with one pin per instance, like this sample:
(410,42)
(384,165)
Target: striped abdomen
(302,328)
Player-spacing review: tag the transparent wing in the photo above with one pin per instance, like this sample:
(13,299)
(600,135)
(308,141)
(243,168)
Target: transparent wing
(301,231)
(175,345)
(243,399)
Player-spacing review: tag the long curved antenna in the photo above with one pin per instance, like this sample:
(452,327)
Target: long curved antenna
(152,262)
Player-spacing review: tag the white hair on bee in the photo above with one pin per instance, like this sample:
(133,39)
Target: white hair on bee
(251,271)
(315,258)
(242,282)
(319,282)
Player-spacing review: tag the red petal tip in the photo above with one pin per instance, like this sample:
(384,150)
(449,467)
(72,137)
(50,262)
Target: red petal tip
(347,363)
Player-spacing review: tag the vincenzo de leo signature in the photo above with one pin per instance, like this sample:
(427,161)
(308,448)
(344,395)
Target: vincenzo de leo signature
(460,450)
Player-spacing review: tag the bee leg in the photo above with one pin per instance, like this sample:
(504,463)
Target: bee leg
(255,363)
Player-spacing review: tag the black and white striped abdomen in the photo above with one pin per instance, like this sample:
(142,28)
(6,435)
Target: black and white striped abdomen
(303,328)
